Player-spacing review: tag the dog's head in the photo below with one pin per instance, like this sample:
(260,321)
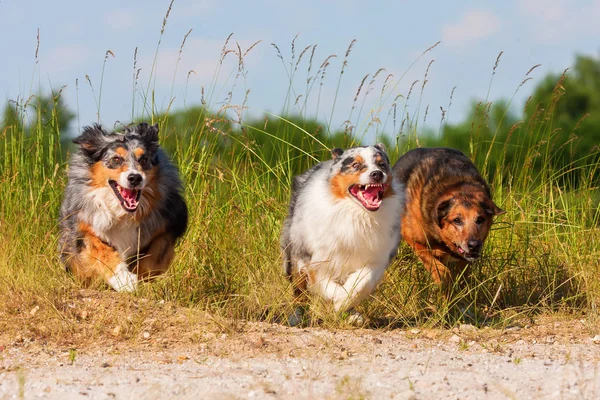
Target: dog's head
(125,162)
(361,174)
(465,217)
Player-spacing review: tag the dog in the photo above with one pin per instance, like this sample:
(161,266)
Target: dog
(342,227)
(448,211)
(123,208)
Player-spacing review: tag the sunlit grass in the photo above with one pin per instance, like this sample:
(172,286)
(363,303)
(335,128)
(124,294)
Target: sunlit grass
(542,255)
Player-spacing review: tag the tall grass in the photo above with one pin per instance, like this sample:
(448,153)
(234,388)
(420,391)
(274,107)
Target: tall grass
(542,255)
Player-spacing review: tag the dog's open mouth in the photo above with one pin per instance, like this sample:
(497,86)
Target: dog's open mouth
(129,198)
(470,257)
(370,196)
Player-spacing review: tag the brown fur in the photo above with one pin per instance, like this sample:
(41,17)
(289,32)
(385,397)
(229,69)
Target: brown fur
(448,212)
(157,258)
(341,182)
(97,260)
(101,174)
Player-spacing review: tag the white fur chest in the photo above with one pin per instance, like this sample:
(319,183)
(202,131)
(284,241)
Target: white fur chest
(125,238)
(111,223)
(343,233)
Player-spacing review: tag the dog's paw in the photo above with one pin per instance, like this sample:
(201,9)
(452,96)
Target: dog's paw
(297,317)
(123,280)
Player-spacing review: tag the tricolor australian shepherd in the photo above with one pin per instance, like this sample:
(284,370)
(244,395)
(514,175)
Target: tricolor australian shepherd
(448,211)
(343,226)
(123,209)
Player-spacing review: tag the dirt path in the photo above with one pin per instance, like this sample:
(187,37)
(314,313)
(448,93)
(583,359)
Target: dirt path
(552,360)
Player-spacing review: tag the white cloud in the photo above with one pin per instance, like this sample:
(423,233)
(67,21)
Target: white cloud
(202,56)
(560,20)
(63,59)
(195,8)
(474,26)
(120,20)
(547,10)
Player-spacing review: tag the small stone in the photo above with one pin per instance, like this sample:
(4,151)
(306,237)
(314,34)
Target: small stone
(455,339)
(259,343)
(34,310)
(117,330)
(355,319)
(344,354)
(467,328)
(431,334)
(596,339)
(146,334)
(513,328)
(296,317)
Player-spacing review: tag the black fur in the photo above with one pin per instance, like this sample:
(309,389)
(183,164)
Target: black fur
(346,165)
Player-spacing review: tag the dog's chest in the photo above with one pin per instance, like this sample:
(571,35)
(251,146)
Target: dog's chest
(350,236)
(125,237)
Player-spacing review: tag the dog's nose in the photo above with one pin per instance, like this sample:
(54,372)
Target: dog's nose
(377,176)
(134,179)
(474,245)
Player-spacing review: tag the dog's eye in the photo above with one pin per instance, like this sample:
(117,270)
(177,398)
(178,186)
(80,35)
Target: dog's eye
(356,165)
(480,220)
(115,161)
(457,221)
(382,166)
(144,162)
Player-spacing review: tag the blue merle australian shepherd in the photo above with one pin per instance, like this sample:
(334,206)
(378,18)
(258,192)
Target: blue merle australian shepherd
(343,227)
(123,209)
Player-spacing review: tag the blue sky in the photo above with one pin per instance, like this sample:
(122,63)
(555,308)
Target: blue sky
(75,35)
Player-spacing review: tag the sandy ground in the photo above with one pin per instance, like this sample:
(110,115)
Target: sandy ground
(548,360)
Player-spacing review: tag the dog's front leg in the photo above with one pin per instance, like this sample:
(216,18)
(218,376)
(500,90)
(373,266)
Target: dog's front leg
(359,285)
(324,286)
(157,258)
(440,274)
(98,260)
(122,280)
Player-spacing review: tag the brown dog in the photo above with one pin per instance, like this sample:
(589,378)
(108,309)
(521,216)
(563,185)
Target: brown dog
(448,211)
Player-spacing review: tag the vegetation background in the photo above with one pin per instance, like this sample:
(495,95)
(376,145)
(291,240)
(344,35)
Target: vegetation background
(543,165)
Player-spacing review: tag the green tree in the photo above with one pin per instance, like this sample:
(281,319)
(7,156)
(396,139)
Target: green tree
(574,98)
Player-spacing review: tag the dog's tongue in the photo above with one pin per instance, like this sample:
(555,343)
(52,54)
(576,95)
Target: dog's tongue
(370,197)
(130,196)
(371,194)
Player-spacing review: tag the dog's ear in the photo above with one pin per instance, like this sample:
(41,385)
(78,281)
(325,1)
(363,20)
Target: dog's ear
(91,141)
(441,209)
(149,134)
(336,153)
(381,147)
(494,210)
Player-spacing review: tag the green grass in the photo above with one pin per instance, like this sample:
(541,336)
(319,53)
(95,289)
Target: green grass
(542,255)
